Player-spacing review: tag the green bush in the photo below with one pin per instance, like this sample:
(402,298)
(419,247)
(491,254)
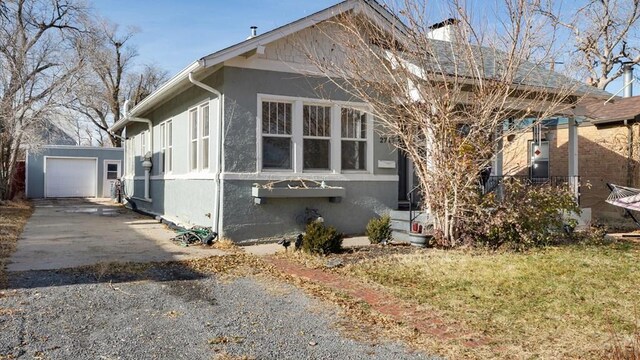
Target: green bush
(379,229)
(320,239)
(526,216)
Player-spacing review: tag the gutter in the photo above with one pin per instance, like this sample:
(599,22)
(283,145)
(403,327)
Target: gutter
(217,200)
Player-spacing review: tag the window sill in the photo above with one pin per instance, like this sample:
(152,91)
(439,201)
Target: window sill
(333,193)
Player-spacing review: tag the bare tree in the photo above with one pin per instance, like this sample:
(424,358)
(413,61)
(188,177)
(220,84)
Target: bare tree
(110,77)
(36,38)
(446,102)
(605,35)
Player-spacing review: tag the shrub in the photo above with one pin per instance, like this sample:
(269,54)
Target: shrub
(526,216)
(379,229)
(320,239)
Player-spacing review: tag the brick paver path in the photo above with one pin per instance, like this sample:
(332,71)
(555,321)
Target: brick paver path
(423,321)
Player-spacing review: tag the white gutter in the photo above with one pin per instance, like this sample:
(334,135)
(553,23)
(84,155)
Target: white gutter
(217,200)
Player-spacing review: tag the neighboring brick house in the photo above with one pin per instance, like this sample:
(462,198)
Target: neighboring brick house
(608,139)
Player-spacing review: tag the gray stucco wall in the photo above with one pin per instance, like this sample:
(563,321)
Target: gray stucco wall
(186,201)
(246,221)
(35,164)
(181,195)
(242,87)
(189,199)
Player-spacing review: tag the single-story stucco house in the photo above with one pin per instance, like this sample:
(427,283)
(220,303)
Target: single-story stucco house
(251,114)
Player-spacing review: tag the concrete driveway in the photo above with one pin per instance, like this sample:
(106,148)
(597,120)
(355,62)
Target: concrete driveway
(74,232)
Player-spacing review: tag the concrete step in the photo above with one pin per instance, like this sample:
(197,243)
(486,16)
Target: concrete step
(400,236)
(401,225)
(404,215)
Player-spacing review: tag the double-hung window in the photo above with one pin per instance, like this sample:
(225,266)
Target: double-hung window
(354,139)
(193,139)
(276,135)
(163,148)
(143,144)
(204,137)
(199,138)
(316,144)
(168,157)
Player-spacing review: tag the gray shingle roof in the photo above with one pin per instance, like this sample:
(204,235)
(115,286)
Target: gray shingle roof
(528,73)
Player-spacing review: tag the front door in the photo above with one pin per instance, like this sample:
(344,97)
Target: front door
(407,180)
(111,174)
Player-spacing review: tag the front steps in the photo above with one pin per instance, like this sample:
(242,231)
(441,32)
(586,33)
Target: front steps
(401,226)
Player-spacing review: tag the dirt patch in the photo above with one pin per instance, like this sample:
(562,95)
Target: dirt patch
(13,217)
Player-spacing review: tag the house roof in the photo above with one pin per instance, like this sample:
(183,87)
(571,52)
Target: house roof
(528,73)
(615,110)
(378,13)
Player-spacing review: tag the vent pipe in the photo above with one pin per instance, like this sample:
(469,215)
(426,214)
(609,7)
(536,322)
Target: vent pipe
(254,32)
(628,80)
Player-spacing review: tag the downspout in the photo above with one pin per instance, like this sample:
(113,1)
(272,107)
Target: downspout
(217,200)
(146,163)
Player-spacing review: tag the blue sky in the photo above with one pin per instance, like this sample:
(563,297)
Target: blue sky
(175,33)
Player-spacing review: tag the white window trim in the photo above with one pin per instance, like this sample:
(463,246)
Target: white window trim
(202,137)
(329,138)
(297,137)
(199,136)
(168,164)
(290,136)
(162,129)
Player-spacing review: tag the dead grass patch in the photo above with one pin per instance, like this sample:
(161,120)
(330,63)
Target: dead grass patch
(559,302)
(226,244)
(13,217)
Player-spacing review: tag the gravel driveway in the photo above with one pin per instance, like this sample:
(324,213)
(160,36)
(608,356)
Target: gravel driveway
(172,313)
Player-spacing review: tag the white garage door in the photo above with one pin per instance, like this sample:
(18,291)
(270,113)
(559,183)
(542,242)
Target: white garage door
(70,177)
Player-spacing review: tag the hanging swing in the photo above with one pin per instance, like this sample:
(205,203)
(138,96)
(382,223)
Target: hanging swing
(625,197)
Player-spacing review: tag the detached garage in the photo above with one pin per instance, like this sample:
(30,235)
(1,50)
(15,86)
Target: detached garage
(72,171)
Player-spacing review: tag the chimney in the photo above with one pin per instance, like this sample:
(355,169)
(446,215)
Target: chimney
(254,32)
(444,30)
(628,79)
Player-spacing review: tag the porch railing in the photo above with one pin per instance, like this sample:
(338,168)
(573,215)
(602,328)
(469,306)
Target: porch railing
(494,183)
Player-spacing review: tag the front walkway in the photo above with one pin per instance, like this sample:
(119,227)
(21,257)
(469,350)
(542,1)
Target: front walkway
(64,233)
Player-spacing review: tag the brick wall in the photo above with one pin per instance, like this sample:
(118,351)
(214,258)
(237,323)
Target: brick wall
(602,153)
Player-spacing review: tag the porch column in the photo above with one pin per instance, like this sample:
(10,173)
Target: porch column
(573,155)
(498,171)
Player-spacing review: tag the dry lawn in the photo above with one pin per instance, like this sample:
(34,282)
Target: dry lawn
(579,301)
(13,217)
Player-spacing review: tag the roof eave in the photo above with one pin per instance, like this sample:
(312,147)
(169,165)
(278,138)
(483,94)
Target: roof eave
(156,96)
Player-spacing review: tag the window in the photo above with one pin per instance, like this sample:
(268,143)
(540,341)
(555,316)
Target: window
(354,139)
(204,135)
(130,162)
(112,171)
(316,124)
(163,146)
(276,135)
(193,145)
(143,144)
(199,138)
(312,135)
(168,157)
